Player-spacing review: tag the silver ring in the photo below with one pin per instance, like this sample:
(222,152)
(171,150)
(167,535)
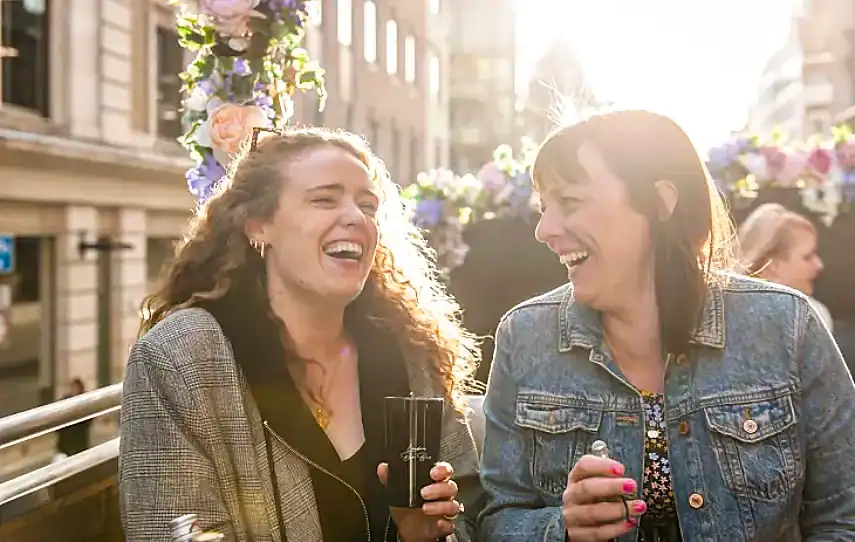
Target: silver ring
(460,509)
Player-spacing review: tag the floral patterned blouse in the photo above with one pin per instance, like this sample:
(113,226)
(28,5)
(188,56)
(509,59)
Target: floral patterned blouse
(656,483)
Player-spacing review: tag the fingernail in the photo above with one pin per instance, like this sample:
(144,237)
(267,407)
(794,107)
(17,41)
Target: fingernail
(629,486)
(427,494)
(617,469)
(639,507)
(631,522)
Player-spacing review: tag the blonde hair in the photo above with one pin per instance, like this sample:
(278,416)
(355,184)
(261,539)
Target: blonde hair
(767,233)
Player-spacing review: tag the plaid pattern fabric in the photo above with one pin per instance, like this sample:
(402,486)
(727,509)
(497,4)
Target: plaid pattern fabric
(192,441)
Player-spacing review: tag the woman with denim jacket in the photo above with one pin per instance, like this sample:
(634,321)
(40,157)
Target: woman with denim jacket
(725,405)
(254,398)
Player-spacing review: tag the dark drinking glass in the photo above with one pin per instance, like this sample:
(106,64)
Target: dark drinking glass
(413,432)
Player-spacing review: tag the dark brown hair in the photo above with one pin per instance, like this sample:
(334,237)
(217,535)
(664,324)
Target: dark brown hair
(693,245)
(403,290)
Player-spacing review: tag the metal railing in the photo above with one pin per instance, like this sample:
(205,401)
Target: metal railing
(38,421)
(33,423)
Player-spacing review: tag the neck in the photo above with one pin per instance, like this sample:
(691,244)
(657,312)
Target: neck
(315,326)
(632,331)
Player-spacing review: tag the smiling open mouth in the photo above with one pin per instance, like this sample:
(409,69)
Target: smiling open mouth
(575,259)
(344,250)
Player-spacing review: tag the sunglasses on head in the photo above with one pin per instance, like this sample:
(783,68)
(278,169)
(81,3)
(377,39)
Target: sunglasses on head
(259,130)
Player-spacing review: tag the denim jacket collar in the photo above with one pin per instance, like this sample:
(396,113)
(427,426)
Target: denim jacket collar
(580,325)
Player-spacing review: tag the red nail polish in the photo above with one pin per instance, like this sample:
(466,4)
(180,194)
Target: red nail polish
(639,507)
(617,469)
(631,522)
(629,486)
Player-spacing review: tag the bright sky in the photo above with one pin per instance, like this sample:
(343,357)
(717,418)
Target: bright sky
(697,61)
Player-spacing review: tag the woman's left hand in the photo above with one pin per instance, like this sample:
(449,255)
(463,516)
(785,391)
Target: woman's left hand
(434,519)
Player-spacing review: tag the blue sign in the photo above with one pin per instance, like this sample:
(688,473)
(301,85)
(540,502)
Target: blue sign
(7,254)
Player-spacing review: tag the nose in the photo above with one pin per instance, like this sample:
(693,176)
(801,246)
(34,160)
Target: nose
(819,265)
(548,227)
(352,214)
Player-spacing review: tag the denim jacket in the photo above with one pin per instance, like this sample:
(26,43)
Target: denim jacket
(760,419)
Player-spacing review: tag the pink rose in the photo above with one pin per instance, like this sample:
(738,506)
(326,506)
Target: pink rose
(231,124)
(820,161)
(231,17)
(492,177)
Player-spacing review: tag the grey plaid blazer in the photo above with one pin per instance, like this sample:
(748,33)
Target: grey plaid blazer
(192,441)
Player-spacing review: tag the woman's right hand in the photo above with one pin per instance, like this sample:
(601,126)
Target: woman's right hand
(592,510)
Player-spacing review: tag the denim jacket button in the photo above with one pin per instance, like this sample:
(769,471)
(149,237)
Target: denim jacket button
(696,500)
(682,360)
(684,428)
(749,426)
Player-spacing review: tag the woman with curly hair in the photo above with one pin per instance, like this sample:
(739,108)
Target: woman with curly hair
(301,298)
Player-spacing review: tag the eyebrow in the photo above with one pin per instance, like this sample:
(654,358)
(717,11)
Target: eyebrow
(339,187)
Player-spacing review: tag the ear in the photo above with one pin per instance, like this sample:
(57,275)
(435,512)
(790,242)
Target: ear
(254,231)
(668,197)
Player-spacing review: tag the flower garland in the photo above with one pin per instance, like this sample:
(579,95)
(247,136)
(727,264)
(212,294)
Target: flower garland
(822,169)
(248,62)
(443,203)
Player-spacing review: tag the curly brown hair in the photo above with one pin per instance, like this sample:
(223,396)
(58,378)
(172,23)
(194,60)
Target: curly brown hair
(403,290)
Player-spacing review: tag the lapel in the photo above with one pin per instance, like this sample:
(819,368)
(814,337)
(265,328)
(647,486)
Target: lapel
(261,359)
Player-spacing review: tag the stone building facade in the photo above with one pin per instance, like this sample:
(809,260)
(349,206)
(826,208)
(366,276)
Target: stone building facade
(89,114)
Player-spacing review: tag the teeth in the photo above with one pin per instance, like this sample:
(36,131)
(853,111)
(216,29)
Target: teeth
(574,258)
(343,246)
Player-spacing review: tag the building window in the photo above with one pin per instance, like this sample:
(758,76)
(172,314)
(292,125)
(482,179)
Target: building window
(26,44)
(435,7)
(415,157)
(370,31)
(315,11)
(170,63)
(373,130)
(314,33)
(395,169)
(345,22)
(434,77)
(410,59)
(391,47)
(345,76)
(27,286)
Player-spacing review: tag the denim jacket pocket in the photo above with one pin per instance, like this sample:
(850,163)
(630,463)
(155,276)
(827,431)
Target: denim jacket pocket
(756,446)
(562,430)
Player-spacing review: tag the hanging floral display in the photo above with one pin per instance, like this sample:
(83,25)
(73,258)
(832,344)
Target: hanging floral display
(822,169)
(248,62)
(444,203)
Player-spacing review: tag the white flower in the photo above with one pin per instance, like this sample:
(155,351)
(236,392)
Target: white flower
(197,101)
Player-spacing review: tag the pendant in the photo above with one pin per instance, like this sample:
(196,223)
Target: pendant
(322,418)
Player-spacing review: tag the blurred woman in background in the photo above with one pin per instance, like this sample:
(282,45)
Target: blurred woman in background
(301,298)
(781,246)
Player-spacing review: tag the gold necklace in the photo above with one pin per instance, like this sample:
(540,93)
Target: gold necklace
(323,415)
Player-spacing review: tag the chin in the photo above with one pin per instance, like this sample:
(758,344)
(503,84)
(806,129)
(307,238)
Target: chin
(344,292)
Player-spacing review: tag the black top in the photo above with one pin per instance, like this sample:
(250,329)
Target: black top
(242,314)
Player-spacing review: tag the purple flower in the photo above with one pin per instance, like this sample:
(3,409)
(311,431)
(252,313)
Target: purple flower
(288,9)
(208,86)
(520,198)
(204,177)
(428,213)
(240,67)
